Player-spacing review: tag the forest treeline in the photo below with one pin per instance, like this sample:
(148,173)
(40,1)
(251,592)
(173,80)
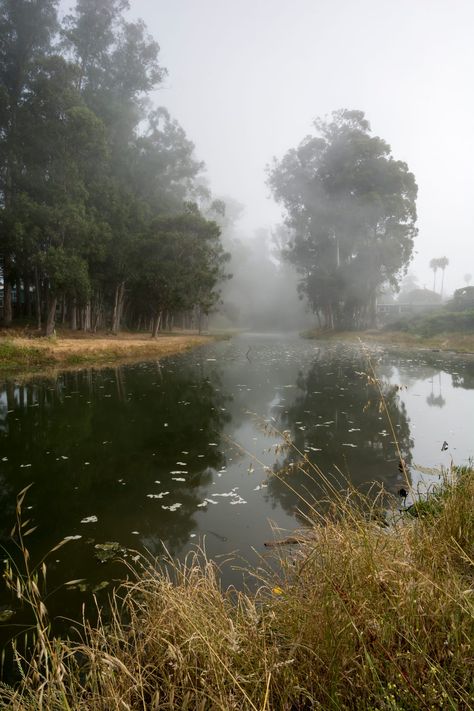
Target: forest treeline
(105,219)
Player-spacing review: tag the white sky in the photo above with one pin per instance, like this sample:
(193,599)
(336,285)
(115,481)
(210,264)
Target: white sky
(247,77)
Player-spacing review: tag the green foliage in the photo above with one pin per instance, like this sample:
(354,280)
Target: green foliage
(443,321)
(351,208)
(90,173)
(463,299)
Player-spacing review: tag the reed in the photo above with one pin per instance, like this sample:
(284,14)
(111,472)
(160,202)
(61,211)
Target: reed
(361,615)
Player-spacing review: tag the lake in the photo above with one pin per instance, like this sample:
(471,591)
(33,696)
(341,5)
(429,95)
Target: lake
(174,452)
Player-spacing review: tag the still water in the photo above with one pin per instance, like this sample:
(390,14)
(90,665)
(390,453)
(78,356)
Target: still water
(170,453)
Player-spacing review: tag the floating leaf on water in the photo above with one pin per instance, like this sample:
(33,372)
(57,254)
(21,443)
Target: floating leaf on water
(5,615)
(72,538)
(89,519)
(210,501)
(203,503)
(100,586)
(178,478)
(173,507)
(348,444)
(135,533)
(107,551)
(238,501)
(181,464)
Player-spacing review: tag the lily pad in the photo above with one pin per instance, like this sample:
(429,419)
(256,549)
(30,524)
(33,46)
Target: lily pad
(5,615)
(106,551)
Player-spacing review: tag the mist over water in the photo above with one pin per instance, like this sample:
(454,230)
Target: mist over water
(188,449)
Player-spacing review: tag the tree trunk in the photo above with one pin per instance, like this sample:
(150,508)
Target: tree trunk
(156,325)
(118,307)
(38,299)
(86,322)
(7,299)
(63,310)
(73,322)
(26,286)
(51,317)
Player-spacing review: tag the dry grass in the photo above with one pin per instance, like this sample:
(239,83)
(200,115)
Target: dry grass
(457,342)
(67,350)
(362,617)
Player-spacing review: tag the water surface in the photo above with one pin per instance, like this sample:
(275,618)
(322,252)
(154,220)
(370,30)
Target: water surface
(175,452)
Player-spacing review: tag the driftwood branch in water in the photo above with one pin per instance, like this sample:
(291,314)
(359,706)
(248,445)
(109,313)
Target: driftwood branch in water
(288,541)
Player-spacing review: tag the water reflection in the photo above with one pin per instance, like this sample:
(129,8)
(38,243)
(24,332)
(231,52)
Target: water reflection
(97,442)
(151,449)
(337,420)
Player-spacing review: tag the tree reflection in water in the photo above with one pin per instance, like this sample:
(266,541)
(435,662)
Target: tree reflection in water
(338,422)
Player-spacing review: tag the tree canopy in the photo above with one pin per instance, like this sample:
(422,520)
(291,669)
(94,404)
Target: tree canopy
(99,189)
(351,209)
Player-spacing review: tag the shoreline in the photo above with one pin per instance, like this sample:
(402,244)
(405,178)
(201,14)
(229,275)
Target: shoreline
(455,342)
(20,354)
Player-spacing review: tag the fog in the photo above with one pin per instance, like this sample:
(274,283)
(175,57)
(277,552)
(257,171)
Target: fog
(246,79)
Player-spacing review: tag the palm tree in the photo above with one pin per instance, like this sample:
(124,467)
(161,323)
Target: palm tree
(434,266)
(442,264)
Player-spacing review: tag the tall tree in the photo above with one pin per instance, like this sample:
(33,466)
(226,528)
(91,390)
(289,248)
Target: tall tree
(442,263)
(434,265)
(27,28)
(351,208)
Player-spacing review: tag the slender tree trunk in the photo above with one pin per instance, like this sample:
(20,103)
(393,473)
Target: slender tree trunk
(7,298)
(73,322)
(442,282)
(38,299)
(51,317)
(156,325)
(118,307)
(26,284)
(86,322)
(63,310)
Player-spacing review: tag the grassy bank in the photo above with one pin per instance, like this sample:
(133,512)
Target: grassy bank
(360,617)
(459,342)
(66,350)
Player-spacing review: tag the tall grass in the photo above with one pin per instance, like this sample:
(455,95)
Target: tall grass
(361,617)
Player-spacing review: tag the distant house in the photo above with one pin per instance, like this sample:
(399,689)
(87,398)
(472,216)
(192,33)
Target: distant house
(408,304)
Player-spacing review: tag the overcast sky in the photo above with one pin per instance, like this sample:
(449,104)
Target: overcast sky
(247,77)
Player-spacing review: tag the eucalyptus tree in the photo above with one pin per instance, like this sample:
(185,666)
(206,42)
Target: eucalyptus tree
(180,263)
(118,66)
(351,208)
(63,139)
(27,30)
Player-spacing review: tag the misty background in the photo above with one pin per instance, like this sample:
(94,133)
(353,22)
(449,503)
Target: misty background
(246,79)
